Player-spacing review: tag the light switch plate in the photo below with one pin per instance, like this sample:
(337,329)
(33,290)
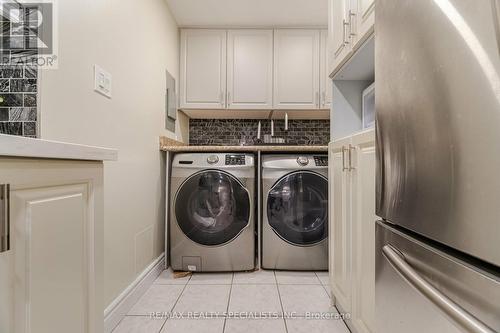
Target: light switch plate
(102,81)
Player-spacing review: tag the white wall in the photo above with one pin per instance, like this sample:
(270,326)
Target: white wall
(136,41)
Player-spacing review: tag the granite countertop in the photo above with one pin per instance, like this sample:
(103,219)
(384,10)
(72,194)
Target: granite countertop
(167,144)
(17,146)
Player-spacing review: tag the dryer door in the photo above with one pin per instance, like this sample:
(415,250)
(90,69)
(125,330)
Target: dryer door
(212,207)
(297,208)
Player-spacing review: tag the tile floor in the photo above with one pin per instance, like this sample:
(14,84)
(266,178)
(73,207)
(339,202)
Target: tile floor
(290,300)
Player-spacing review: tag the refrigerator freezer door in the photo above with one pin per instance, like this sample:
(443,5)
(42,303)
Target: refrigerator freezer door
(422,289)
(438,121)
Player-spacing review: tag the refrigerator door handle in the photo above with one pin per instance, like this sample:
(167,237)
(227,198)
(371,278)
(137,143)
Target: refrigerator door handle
(459,316)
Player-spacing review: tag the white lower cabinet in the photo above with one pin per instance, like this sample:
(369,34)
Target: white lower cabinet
(51,277)
(363,232)
(352,227)
(340,228)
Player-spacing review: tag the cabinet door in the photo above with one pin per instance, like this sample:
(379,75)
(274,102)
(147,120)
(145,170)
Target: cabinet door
(340,229)
(51,225)
(7,278)
(325,86)
(250,69)
(364,20)
(363,233)
(203,69)
(296,69)
(339,31)
(51,278)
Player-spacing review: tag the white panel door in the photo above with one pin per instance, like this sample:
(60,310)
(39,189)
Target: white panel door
(52,266)
(296,69)
(340,228)
(325,86)
(51,278)
(338,26)
(203,69)
(250,69)
(7,277)
(363,235)
(364,20)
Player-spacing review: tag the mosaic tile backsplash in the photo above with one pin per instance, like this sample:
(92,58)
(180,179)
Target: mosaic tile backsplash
(18,81)
(234,132)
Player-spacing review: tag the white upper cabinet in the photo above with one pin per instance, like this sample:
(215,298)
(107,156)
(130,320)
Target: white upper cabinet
(250,69)
(254,69)
(350,23)
(325,84)
(365,20)
(296,69)
(203,69)
(338,26)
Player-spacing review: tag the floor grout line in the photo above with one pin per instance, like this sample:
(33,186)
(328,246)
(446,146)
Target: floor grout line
(281,302)
(326,291)
(228,302)
(173,306)
(343,321)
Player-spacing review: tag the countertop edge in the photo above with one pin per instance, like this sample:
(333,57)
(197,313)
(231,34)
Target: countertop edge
(17,146)
(276,149)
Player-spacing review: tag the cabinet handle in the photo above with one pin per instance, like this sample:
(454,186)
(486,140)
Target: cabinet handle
(228,97)
(351,148)
(344,168)
(4,218)
(351,15)
(316,98)
(323,96)
(344,25)
(222,98)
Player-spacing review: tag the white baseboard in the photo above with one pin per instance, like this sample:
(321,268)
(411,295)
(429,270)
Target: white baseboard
(115,312)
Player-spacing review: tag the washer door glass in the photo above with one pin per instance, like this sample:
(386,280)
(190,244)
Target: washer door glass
(212,207)
(297,208)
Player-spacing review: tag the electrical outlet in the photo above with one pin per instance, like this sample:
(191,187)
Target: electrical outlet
(102,81)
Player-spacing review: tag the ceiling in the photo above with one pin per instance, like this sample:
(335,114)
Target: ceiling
(250,13)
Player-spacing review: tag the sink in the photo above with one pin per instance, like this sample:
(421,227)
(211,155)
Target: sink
(270,144)
(274,144)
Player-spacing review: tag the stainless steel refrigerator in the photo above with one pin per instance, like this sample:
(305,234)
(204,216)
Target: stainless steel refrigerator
(438,166)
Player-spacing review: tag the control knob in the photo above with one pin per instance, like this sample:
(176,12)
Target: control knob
(212,159)
(302,160)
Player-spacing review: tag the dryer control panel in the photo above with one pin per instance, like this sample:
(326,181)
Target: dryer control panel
(235,159)
(321,161)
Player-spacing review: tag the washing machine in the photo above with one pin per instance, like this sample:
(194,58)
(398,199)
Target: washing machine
(212,224)
(295,212)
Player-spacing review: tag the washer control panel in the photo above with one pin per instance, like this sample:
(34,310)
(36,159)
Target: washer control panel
(321,161)
(235,159)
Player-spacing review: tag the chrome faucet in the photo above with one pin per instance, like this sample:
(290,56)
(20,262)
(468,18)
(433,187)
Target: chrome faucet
(270,118)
